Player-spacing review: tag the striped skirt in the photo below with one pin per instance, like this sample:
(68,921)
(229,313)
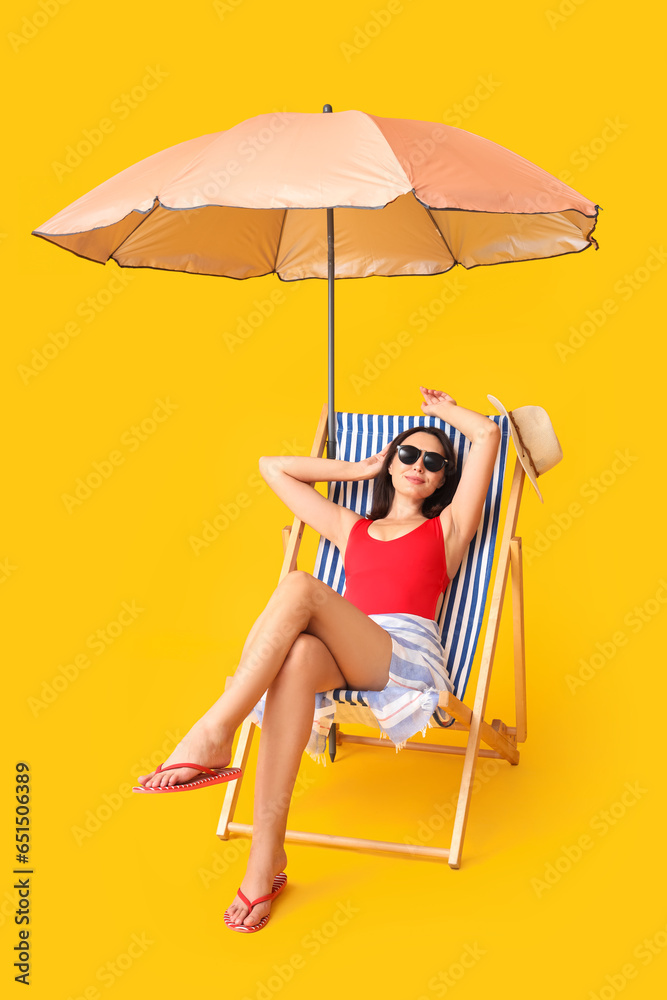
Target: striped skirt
(406,704)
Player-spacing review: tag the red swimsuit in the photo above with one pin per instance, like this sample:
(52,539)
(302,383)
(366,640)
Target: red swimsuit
(402,576)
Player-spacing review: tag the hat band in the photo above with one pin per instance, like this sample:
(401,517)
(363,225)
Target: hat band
(523,444)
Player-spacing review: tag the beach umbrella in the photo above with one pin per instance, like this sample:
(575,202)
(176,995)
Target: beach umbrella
(334,195)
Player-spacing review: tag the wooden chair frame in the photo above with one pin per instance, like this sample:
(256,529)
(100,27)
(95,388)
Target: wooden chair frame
(502,740)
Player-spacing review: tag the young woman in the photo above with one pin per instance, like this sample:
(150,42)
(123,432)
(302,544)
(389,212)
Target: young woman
(310,640)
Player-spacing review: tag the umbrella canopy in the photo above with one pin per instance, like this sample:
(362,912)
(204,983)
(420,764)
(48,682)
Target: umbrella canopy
(410,197)
(240,203)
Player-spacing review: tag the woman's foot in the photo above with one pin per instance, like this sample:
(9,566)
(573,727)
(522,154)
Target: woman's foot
(201,745)
(257,881)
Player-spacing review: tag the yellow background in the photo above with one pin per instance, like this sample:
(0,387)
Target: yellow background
(392,928)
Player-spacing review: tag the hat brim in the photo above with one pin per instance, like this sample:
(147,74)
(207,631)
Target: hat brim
(520,450)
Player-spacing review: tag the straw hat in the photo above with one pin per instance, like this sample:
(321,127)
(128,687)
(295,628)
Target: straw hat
(535,440)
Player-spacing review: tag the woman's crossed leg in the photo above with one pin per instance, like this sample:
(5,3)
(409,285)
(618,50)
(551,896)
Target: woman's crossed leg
(307,639)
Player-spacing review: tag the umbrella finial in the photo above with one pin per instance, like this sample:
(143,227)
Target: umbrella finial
(327,109)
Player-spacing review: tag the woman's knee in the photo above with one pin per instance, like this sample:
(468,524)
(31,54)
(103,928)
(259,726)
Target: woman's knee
(300,590)
(298,579)
(299,660)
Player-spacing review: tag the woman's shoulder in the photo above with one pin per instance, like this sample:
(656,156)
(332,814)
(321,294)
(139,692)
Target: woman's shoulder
(352,524)
(362,519)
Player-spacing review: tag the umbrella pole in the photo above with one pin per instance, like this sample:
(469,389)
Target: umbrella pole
(331,433)
(331,272)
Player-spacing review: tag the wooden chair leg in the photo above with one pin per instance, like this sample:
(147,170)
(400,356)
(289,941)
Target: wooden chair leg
(488,654)
(465,792)
(516,564)
(234,787)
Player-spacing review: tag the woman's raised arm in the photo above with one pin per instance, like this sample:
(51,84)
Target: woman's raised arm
(467,504)
(291,478)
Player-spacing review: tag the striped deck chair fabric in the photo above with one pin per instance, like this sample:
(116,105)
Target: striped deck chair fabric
(459,618)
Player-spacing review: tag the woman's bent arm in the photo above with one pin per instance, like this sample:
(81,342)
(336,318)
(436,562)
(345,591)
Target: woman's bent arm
(313,470)
(290,477)
(467,504)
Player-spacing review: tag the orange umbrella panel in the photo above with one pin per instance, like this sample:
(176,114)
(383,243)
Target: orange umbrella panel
(410,197)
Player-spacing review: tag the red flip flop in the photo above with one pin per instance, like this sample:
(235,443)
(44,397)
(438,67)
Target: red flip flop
(279,883)
(215,776)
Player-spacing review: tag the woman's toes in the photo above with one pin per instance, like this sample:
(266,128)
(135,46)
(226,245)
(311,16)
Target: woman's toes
(253,918)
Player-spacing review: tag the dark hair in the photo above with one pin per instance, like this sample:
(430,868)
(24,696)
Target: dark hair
(383,488)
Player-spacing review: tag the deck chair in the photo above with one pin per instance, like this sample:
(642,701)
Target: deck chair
(459,616)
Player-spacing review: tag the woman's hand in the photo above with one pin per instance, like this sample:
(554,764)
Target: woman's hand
(371,466)
(432,397)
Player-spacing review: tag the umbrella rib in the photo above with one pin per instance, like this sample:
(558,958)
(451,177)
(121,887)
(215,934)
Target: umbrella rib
(440,233)
(156,204)
(280,236)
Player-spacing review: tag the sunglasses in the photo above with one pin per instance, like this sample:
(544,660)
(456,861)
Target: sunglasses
(433,460)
